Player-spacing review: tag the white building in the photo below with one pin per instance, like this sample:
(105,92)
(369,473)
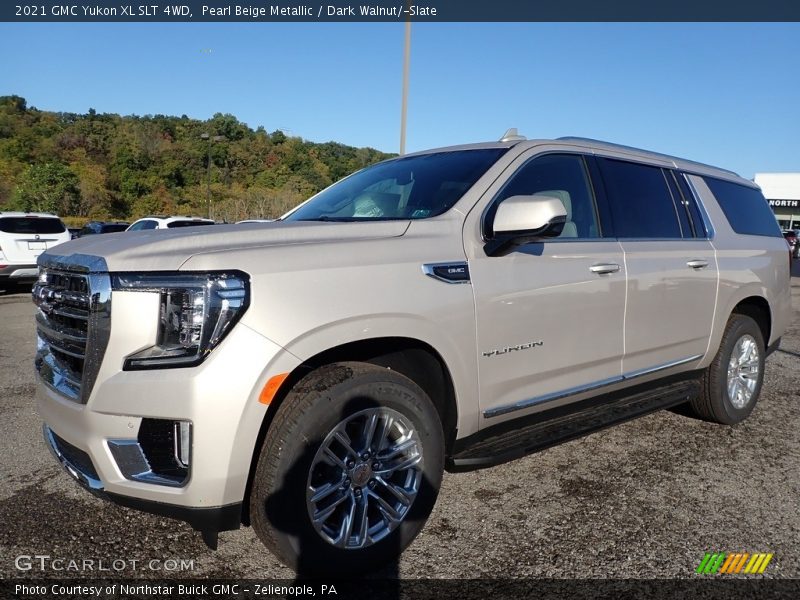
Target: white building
(782,190)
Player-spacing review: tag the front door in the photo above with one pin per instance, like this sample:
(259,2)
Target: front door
(550,314)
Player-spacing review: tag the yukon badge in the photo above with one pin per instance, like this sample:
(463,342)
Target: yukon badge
(508,349)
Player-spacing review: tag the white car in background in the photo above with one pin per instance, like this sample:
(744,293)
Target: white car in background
(167,223)
(23,237)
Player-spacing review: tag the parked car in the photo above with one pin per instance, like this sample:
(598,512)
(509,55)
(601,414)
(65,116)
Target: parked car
(167,223)
(791,239)
(98,227)
(74,232)
(23,237)
(313,377)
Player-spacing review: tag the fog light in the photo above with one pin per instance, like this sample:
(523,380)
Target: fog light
(183,442)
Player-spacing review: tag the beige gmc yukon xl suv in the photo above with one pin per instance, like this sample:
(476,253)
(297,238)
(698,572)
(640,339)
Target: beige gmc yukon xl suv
(455,308)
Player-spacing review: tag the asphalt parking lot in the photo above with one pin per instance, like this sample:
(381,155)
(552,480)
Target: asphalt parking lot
(645,499)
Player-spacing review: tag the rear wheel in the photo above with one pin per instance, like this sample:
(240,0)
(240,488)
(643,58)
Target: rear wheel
(349,470)
(732,382)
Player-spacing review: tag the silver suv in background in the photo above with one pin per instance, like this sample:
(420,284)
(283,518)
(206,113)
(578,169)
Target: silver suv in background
(455,308)
(23,237)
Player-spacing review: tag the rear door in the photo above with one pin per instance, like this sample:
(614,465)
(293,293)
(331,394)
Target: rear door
(24,238)
(670,263)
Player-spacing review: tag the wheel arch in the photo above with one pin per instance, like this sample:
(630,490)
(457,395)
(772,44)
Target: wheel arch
(758,309)
(411,357)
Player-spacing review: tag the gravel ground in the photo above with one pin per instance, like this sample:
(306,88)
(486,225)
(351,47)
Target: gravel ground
(642,500)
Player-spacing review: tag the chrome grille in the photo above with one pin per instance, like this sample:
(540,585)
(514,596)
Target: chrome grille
(72,325)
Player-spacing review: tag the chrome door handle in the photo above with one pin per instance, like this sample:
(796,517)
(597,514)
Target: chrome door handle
(604,268)
(697,264)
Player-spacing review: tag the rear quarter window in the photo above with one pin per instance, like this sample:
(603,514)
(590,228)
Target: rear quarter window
(745,208)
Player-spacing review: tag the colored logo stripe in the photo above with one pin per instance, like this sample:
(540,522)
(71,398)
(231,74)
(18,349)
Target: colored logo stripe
(734,562)
(711,562)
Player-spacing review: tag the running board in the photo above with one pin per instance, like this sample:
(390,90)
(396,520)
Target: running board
(517,438)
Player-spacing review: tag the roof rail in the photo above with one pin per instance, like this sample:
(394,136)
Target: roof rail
(571,138)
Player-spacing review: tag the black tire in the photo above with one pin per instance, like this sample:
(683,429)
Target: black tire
(714,402)
(312,410)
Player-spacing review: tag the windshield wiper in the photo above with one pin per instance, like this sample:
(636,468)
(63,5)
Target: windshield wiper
(326,218)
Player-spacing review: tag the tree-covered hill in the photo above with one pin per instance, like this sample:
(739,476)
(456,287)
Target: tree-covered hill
(123,167)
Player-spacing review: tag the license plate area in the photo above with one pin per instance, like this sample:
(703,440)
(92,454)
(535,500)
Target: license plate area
(37,246)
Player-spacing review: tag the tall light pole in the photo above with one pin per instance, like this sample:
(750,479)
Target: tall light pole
(209,138)
(404,101)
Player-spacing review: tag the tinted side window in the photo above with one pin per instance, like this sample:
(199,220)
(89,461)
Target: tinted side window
(175,224)
(745,208)
(113,228)
(564,177)
(641,203)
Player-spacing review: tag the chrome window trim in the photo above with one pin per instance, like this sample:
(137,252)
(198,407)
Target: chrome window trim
(654,239)
(560,240)
(710,232)
(502,410)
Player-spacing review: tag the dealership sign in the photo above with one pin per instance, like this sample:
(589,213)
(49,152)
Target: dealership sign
(784,203)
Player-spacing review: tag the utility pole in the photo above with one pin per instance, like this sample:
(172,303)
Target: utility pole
(209,138)
(404,101)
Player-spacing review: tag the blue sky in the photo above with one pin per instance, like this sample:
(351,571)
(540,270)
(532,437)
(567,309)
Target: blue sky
(727,94)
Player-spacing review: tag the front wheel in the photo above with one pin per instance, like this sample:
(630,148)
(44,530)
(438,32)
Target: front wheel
(349,470)
(732,382)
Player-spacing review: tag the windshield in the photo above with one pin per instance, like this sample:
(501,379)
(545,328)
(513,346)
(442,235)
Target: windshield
(31,225)
(414,187)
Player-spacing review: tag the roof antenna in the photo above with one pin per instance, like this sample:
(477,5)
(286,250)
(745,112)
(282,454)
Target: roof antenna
(511,135)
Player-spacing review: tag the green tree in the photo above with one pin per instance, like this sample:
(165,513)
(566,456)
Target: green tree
(48,187)
(103,164)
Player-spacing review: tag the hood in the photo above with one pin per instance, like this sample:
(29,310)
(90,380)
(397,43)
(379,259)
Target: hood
(168,249)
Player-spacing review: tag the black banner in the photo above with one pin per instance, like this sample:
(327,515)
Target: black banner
(701,586)
(400,10)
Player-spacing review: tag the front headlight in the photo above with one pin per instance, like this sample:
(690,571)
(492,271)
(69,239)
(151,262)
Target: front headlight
(195,312)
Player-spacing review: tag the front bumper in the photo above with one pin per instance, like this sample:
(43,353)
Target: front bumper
(78,464)
(219,398)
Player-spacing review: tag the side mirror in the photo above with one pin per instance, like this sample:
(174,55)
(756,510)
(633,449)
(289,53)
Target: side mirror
(523,219)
